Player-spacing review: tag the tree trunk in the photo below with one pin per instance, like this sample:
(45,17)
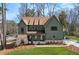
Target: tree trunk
(3,24)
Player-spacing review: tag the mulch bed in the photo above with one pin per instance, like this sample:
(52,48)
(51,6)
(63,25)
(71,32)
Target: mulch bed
(7,51)
(73,48)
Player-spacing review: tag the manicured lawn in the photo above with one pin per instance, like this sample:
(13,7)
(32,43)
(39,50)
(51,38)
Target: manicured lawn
(73,37)
(44,51)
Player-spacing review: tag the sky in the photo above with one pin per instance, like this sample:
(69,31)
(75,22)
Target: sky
(13,10)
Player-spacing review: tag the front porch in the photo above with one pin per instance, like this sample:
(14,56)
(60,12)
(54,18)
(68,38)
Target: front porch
(39,38)
(33,37)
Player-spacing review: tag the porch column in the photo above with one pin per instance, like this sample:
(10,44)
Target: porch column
(41,36)
(35,36)
(30,36)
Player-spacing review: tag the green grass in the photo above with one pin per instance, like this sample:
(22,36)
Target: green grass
(44,51)
(73,37)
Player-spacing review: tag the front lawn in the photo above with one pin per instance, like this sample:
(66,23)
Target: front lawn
(44,51)
(72,37)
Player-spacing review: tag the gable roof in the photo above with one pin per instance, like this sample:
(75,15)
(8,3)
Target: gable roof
(35,20)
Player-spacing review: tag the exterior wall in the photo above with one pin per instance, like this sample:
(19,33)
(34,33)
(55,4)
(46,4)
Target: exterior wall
(22,25)
(49,33)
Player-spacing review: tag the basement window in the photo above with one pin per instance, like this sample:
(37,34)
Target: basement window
(54,28)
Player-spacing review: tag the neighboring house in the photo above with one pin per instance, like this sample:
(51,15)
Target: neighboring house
(41,28)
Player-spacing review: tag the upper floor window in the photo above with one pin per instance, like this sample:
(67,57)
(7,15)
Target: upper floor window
(35,28)
(54,28)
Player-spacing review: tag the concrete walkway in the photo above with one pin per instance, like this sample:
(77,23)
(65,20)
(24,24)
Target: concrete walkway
(50,45)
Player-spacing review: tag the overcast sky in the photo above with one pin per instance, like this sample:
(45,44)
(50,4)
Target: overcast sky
(13,10)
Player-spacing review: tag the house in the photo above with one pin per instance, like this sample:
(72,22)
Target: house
(41,28)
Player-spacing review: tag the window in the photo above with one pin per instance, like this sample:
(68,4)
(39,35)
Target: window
(38,37)
(53,36)
(22,30)
(54,28)
(31,28)
(38,28)
(43,37)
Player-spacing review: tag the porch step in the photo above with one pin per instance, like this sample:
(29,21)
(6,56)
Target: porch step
(21,39)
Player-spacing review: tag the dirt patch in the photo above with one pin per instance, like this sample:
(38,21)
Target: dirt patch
(7,51)
(73,48)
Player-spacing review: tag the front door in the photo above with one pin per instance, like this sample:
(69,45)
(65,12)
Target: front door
(32,39)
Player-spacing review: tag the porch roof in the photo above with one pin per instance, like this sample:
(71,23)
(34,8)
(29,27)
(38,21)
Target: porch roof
(34,33)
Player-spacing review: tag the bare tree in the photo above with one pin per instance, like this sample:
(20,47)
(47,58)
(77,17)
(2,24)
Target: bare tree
(76,11)
(38,9)
(43,7)
(73,16)
(51,8)
(11,27)
(0,28)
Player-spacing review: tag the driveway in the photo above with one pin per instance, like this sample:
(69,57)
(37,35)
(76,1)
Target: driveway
(9,40)
(71,42)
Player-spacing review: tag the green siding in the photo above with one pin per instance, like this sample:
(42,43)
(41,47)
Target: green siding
(22,25)
(49,33)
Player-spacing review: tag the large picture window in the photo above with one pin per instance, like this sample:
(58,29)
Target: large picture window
(54,28)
